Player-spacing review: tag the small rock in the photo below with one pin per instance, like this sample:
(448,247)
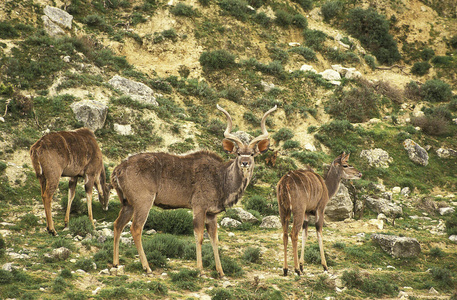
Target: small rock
(444,211)
(453,238)
(271,222)
(433,291)
(228,222)
(95,292)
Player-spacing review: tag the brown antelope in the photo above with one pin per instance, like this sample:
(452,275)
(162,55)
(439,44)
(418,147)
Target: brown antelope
(200,181)
(303,193)
(71,154)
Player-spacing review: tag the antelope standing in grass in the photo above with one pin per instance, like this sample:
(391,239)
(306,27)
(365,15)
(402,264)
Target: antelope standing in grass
(302,193)
(69,154)
(200,181)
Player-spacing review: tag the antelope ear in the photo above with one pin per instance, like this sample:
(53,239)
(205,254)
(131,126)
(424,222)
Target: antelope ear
(263,146)
(228,146)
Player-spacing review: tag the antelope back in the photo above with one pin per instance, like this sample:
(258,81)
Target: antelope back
(302,188)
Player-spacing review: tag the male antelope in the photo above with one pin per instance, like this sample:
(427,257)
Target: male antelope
(303,192)
(69,154)
(200,181)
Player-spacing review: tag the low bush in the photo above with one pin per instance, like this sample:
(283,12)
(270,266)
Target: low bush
(420,68)
(173,221)
(370,60)
(80,226)
(261,205)
(306,52)
(299,21)
(262,19)
(314,39)
(184,10)
(217,60)
(236,8)
(305,4)
(331,9)
(427,54)
(291,144)
(412,91)
(436,90)
(372,29)
(86,264)
(252,255)
(283,134)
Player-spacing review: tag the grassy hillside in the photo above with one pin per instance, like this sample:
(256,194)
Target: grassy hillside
(245,56)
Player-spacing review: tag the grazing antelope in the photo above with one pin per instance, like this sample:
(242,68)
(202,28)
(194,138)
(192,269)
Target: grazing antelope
(200,181)
(69,154)
(302,193)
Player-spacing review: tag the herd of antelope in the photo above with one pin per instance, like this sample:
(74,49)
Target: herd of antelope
(200,181)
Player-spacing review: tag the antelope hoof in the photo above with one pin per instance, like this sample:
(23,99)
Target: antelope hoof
(285,271)
(298,272)
(301,267)
(51,231)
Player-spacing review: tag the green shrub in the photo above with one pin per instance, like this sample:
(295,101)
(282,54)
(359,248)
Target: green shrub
(331,9)
(278,54)
(216,60)
(427,54)
(86,264)
(436,252)
(173,221)
(233,93)
(291,144)
(80,226)
(252,255)
(114,293)
(6,277)
(451,224)
(7,31)
(420,68)
(442,61)
(185,279)
(65,273)
(236,8)
(170,246)
(59,285)
(453,42)
(29,220)
(184,10)
(300,21)
(357,105)
(221,294)
(412,91)
(2,246)
(262,19)
(283,18)
(372,29)
(306,52)
(435,90)
(370,61)
(262,205)
(283,134)
(312,159)
(157,288)
(305,4)
(314,39)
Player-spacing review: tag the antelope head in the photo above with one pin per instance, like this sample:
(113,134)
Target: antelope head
(245,152)
(347,171)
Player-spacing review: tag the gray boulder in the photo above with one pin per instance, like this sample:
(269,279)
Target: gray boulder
(91,113)
(446,152)
(377,157)
(399,247)
(245,216)
(340,207)
(228,222)
(271,222)
(415,152)
(380,205)
(136,90)
(58,16)
(51,28)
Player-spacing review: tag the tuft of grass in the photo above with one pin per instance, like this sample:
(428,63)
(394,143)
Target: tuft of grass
(252,255)
(80,226)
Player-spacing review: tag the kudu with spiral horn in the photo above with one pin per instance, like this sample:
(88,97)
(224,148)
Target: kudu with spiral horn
(200,181)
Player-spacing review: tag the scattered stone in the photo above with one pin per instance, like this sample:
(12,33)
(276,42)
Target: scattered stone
(115,271)
(453,238)
(61,253)
(104,272)
(7,267)
(446,152)
(58,16)
(330,75)
(378,223)
(51,28)
(136,90)
(445,211)
(405,191)
(399,247)
(377,157)
(150,232)
(415,152)
(380,205)
(433,291)
(340,206)
(231,234)
(308,68)
(267,86)
(228,222)
(95,292)
(271,222)
(91,113)
(123,129)
(246,217)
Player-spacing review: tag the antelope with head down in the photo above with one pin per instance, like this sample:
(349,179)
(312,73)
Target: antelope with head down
(71,154)
(200,181)
(303,193)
